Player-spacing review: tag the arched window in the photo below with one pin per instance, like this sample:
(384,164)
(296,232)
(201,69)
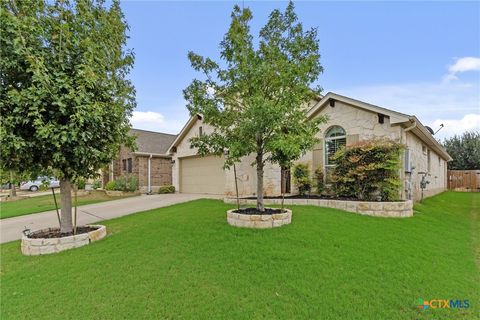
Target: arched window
(335,138)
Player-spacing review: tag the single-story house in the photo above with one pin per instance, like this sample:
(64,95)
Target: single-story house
(349,121)
(150,163)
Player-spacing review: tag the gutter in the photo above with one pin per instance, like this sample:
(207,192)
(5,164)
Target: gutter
(413,126)
(149,154)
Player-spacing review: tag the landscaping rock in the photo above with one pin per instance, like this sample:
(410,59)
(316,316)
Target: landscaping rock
(262,221)
(36,246)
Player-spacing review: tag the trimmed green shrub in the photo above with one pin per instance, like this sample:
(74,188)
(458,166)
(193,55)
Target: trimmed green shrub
(126,183)
(166,189)
(368,171)
(96,184)
(319,180)
(110,186)
(81,184)
(123,183)
(301,178)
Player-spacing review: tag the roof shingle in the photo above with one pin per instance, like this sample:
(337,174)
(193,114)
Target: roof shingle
(152,142)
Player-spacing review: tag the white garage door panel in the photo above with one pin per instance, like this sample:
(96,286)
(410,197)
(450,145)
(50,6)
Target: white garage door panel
(202,175)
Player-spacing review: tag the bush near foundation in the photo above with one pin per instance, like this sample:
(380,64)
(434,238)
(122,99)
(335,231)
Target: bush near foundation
(319,180)
(123,183)
(301,178)
(368,170)
(166,189)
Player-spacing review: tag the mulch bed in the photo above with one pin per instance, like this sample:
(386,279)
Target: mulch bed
(317,196)
(55,233)
(251,211)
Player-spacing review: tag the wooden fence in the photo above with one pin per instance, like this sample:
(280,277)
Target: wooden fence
(464,180)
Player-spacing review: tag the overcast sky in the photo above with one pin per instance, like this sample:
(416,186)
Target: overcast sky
(420,58)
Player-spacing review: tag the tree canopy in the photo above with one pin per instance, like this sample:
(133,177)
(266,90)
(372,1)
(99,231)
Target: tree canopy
(465,151)
(65,99)
(257,98)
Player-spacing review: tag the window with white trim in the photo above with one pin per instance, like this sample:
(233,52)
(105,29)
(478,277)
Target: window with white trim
(335,138)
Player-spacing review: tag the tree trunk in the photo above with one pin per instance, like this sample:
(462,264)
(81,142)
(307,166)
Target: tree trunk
(259,160)
(13,191)
(66,202)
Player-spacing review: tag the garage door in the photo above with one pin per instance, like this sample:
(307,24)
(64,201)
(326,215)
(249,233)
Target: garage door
(202,175)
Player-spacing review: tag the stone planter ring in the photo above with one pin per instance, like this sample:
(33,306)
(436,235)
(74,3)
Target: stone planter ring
(257,221)
(33,246)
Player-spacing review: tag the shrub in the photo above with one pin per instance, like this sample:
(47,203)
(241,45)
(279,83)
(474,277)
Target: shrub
(166,189)
(301,177)
(123,183)
(110,185)
(320,184)
(96,184)
(368,170)
(81,183)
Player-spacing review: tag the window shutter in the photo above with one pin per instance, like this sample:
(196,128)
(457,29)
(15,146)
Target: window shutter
(318,155)
(352,139)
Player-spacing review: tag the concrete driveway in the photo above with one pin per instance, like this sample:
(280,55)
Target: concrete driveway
(11,228)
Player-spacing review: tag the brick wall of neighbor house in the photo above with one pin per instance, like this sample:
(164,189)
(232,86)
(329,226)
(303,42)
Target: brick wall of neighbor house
(437,172)
(161,172)
(161,169)
(124,153)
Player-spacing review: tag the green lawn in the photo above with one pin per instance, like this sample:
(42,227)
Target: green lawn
(185,262)
(10,209)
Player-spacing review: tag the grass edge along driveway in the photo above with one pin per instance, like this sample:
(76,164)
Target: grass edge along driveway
(185,261)
(9,209)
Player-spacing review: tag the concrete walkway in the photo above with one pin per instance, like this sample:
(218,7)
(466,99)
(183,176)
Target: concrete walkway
(11,228)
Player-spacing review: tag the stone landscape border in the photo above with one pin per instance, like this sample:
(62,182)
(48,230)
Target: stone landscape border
(257,221)
(34,247)
(399,209)
(115,193)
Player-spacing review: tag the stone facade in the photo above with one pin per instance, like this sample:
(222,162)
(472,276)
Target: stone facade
(34,247)
(359,124)
(257,221)
(435,166)
(400,209)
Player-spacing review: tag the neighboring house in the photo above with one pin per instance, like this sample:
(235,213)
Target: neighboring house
(150,163)
(350,121)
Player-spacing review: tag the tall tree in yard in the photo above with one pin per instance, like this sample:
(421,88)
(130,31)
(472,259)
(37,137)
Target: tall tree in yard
(64,97)
(465,151)
(256,98)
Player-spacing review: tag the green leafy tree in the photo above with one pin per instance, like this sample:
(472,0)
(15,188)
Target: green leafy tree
(465,151)
(256,100)
(64,96)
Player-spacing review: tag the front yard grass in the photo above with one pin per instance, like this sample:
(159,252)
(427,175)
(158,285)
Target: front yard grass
(22,207)
(186,262)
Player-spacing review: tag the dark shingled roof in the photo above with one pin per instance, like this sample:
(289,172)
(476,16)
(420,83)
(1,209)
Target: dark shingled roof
(152,142)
